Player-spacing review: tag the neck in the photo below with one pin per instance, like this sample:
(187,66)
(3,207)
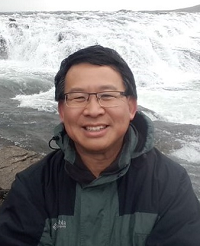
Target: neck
(96,163)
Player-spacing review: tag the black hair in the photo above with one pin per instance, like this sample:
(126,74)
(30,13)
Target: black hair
(96,55)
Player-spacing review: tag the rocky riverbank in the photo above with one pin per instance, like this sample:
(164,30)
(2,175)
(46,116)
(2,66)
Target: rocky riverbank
(13,159)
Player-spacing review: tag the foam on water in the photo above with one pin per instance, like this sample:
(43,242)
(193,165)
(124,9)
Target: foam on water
(188,152)
(173,105)
(44,101)
(18,69)
(162,50)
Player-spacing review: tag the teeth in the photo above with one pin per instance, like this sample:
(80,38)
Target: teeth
(94,128)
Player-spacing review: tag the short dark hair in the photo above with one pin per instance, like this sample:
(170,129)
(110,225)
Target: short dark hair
(96,55)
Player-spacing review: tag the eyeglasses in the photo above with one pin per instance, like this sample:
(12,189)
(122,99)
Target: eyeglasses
(105,99)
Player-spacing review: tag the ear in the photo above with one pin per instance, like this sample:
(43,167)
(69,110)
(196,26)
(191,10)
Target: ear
(132,103)
(61,107)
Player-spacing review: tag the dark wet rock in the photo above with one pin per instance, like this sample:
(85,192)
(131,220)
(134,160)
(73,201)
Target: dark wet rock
(3,48)
(13,25)
(12,19)
(60,37)
(26,26)
(3,194)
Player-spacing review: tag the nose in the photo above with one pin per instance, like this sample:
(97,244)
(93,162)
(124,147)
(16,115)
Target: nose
(93,108)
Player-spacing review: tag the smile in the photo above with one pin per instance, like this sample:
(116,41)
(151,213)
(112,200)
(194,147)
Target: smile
(94,128)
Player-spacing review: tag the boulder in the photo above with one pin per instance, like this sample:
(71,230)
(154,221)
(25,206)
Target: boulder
(13,159)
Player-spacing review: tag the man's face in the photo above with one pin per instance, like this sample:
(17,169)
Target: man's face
(95,129)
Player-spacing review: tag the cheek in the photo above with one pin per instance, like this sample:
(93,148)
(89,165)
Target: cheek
(70,125)
(121,118)
(71,120)
(66,114)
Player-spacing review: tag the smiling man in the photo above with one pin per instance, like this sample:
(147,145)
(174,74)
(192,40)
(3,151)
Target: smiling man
(106,185)
(96,122)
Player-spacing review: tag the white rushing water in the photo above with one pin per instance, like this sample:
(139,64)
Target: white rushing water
(163,51)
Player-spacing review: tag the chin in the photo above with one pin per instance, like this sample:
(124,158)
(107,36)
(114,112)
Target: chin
(92,149)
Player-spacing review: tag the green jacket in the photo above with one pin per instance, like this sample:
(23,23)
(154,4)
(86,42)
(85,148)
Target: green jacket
(143,198)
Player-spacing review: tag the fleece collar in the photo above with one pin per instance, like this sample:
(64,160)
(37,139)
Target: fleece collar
(79,172)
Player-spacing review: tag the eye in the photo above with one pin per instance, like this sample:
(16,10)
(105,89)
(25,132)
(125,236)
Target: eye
(78,97)
(107,96)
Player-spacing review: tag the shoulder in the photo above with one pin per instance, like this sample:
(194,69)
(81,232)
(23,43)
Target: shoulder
(171,178)
(165,166)
(158,162)
(32,183)
(162,179)
(50,163)
(157,168)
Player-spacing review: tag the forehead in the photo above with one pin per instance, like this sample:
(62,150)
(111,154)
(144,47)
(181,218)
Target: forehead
(87,76)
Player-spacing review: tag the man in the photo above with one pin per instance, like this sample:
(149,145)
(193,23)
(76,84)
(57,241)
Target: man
(107,184)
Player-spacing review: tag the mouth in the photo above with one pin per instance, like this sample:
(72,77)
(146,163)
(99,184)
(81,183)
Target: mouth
(94,128)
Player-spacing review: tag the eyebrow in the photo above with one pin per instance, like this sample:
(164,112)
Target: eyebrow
(101,88)
(108,87)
